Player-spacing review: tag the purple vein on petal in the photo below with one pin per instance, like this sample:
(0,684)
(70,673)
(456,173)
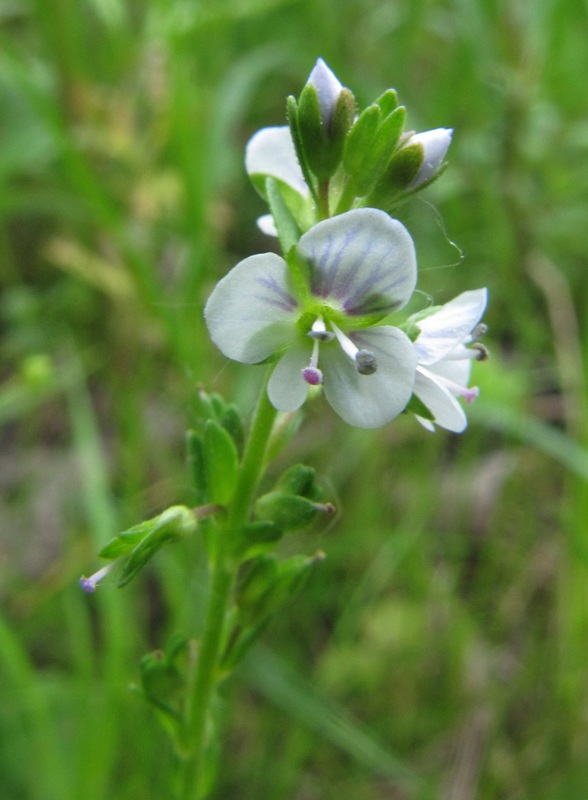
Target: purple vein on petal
(280,299)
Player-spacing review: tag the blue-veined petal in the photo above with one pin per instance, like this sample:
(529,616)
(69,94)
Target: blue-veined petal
(251,312)
(270,152)
(370,401)
(449,326)
(363,259)
(287,389)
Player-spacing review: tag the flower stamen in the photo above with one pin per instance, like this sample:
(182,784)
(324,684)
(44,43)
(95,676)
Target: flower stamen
(477,352)
(365,361)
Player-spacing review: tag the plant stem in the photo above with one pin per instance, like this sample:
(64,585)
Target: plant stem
(223,574)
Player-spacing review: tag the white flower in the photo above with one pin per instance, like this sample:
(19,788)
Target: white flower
(444,360)
(435,145)
(350,272)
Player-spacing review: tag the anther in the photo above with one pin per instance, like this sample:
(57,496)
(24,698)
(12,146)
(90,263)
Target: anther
(366,362)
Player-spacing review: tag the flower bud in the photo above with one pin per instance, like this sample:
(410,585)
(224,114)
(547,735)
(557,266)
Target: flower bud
(434,144)
(321,120)
(328,88)
(289,512)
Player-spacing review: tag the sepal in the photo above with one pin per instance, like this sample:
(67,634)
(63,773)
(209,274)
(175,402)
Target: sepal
(137,545)
(289,512)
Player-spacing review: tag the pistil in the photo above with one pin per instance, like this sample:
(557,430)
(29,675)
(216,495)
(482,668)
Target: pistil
(89,584)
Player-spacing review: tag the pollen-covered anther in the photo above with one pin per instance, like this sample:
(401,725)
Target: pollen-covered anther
(366,362)
(481,351)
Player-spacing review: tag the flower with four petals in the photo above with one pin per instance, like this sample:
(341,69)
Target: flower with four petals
(320,316)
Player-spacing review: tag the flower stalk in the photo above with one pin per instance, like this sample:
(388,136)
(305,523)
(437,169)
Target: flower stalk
(223,575)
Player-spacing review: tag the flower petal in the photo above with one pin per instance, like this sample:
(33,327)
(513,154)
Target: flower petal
(450,326)
(435,144)
(270,152)
(267,225)
(251,313)
(287,389)
(363,259)
(328,89)
(370,401)
(441,403)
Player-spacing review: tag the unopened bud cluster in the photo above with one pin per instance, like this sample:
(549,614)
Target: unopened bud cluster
(350,159)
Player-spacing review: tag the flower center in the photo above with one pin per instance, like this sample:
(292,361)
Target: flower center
(365,361)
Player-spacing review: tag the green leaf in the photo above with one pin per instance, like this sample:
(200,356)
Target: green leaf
(221,463)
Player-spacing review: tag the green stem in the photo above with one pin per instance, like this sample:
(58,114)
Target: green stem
(222,582)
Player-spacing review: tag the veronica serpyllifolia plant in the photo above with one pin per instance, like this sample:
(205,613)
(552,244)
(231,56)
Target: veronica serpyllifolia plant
(326,317)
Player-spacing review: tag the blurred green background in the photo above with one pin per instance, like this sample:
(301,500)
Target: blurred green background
(441,649)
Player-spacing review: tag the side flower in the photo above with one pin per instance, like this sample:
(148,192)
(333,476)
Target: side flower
(320,316)
(445,348)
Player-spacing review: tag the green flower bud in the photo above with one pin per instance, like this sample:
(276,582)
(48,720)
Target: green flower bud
(324,116)
(298,479)
(289,512)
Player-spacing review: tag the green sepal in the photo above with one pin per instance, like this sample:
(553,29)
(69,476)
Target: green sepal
(312,134)
(387,102)
(323,145)
(195,461)
(360,141)
(162,682)
(231,420)
(173,524)
(298,480)
(370,145)
(341,123)
(221,463)
(177,518)
(254,539)
(288,230)
(289,512)
(124,542)
(416,406)
(400,172)
(293,122)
